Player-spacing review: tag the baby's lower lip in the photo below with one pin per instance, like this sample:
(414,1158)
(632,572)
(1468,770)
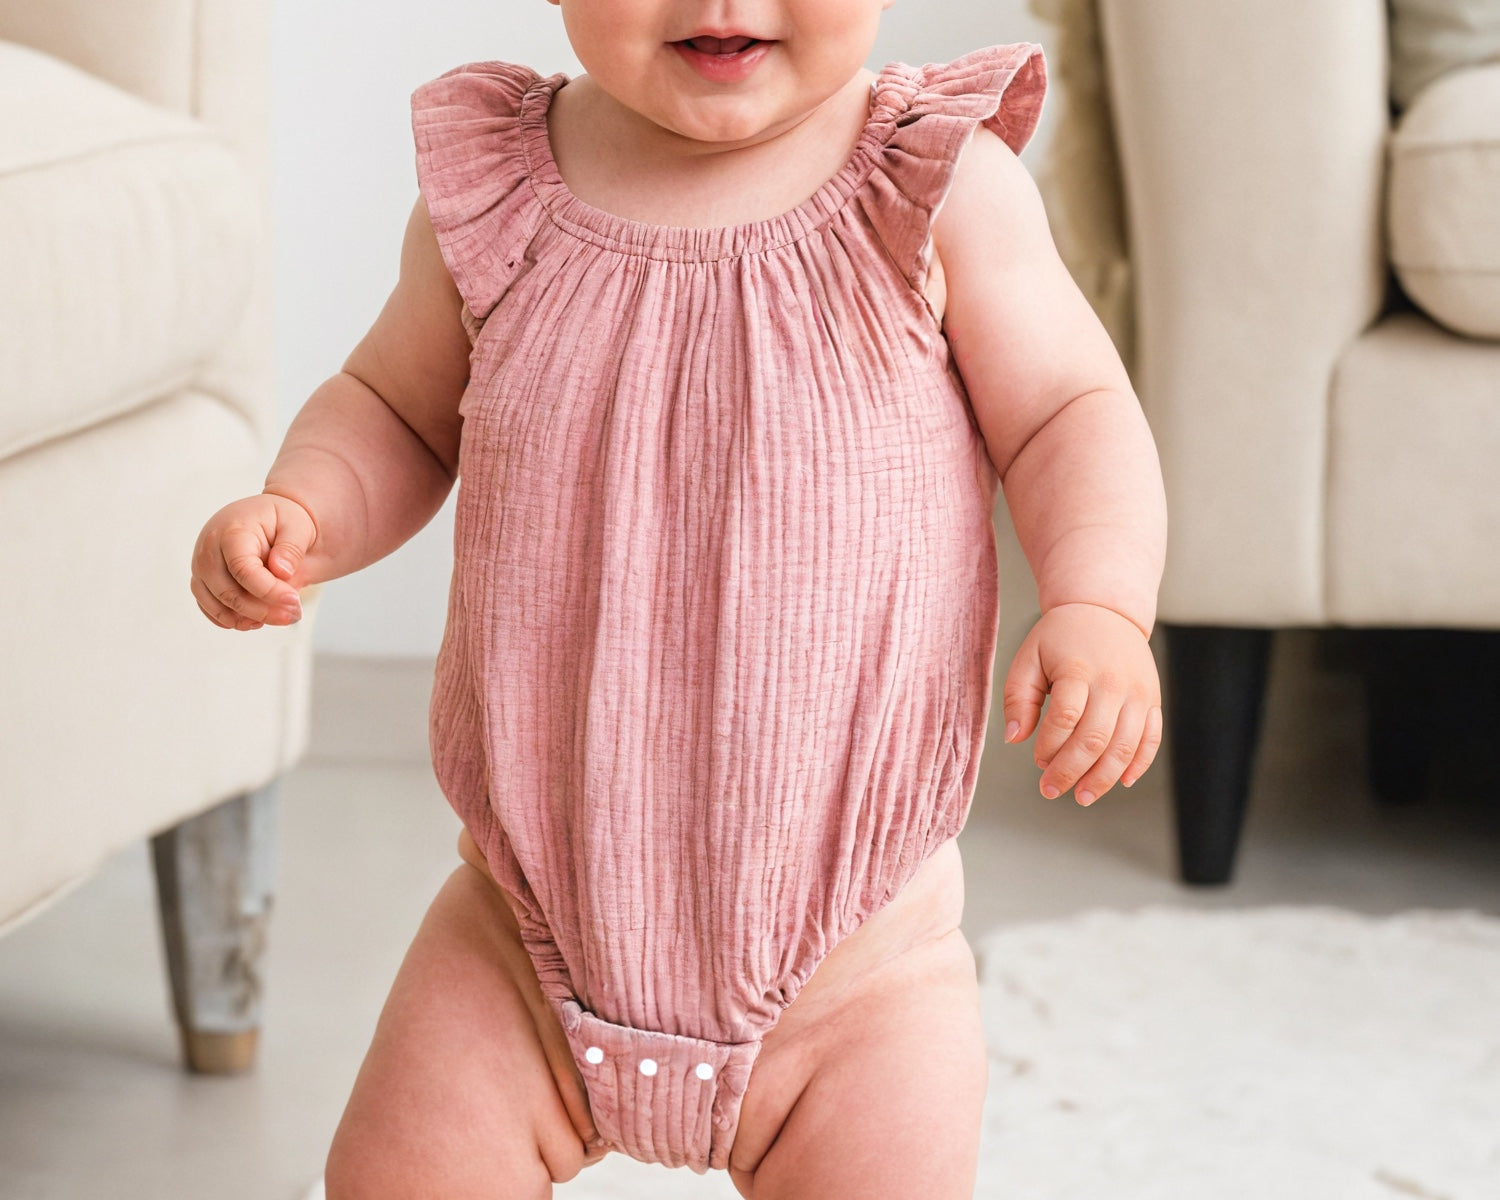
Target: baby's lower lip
(724,68)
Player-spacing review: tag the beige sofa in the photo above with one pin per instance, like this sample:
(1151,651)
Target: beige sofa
(135,399)
(1329,439)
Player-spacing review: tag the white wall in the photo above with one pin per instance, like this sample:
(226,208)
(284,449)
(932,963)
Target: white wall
(344,185)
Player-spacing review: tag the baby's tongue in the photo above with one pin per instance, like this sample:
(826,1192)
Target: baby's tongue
(713,45)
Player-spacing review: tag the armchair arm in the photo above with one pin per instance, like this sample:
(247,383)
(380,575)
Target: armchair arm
(210,59)
(1251,139)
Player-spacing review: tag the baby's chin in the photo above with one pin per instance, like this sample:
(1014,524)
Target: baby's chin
(729,123)
(730,135)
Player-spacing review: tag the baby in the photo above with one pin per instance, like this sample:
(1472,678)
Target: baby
(730,342)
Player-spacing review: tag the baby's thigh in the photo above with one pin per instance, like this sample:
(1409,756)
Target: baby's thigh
(893,1106)
(456,1097)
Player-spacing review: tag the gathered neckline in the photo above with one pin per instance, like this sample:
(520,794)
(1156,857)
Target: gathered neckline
(892,92)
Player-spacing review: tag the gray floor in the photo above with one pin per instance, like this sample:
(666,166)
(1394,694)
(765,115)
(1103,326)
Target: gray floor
(92,1103)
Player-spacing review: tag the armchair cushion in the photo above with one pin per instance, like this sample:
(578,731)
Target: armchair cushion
(1431,37)
(126,226)
(1443,215)
(1413,511)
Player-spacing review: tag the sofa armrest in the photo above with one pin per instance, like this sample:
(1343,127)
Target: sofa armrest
(210,59)
(171,52)
(207,58)
(1251,139)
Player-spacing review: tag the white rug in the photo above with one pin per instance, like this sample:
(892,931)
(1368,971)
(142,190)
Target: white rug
(1244,1055)
(1175,1054)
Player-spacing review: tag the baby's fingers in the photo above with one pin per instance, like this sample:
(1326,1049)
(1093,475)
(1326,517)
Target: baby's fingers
(217,611)
(229,576)
(244,551)
(1075,733)
(1129,741)
(1024,693)
(1145,754)
(227,596)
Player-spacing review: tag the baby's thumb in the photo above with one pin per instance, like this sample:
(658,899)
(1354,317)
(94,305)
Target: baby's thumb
(294,535)
(1025,693)
(285,559)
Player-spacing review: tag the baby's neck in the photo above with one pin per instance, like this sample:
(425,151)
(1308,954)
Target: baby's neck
(618,161)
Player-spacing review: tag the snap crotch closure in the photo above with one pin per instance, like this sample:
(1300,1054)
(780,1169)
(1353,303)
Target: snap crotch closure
(660,1097)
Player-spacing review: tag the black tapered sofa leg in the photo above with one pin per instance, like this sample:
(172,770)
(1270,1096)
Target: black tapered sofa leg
(1216,682)
(1406,678)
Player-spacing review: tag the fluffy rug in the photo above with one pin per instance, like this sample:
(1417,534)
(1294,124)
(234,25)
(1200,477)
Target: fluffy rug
(1270,1054)
(1280,1052)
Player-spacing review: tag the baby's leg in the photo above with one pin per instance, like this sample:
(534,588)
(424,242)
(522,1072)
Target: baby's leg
(456,1098)
(893,1105)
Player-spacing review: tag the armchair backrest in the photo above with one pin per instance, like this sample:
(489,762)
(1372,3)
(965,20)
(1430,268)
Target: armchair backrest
(1252,143)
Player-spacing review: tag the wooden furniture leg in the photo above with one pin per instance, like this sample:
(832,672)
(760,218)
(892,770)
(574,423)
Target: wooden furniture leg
(213,878)
(1216,681)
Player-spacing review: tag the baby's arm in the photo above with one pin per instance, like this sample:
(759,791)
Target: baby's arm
(366,463)
(1075,456)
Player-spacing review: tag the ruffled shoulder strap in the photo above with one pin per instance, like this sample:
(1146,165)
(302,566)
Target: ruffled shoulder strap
(471,169)
(933,111)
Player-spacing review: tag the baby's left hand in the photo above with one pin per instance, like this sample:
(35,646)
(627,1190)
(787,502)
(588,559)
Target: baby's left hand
(1104,722)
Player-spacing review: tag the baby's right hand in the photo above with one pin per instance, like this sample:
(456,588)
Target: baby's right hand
(248,562)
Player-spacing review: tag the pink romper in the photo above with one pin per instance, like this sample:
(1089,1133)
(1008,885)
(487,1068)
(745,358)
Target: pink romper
(716,673)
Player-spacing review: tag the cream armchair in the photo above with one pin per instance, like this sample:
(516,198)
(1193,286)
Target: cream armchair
(135,399)
(1329,447)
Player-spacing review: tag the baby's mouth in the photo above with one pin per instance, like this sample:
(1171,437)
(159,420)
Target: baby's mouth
(723,47)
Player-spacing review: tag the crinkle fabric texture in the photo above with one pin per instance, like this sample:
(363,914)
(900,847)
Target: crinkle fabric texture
(717,666)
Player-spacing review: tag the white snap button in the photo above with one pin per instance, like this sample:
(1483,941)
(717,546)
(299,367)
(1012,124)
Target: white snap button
(704,1071)
(594,1054)
(648,1066)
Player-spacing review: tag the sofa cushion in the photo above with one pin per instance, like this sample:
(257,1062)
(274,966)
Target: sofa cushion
(128,235)
(1443,215)
(1413,510)
(1432,37)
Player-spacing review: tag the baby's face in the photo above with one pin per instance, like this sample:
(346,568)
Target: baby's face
(724,72)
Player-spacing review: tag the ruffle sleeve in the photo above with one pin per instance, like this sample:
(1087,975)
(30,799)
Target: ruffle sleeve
(471,170)
(935,110)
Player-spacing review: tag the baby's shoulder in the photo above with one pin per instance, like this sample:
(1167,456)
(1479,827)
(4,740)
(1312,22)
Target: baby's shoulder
(992,207)
(988,172)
